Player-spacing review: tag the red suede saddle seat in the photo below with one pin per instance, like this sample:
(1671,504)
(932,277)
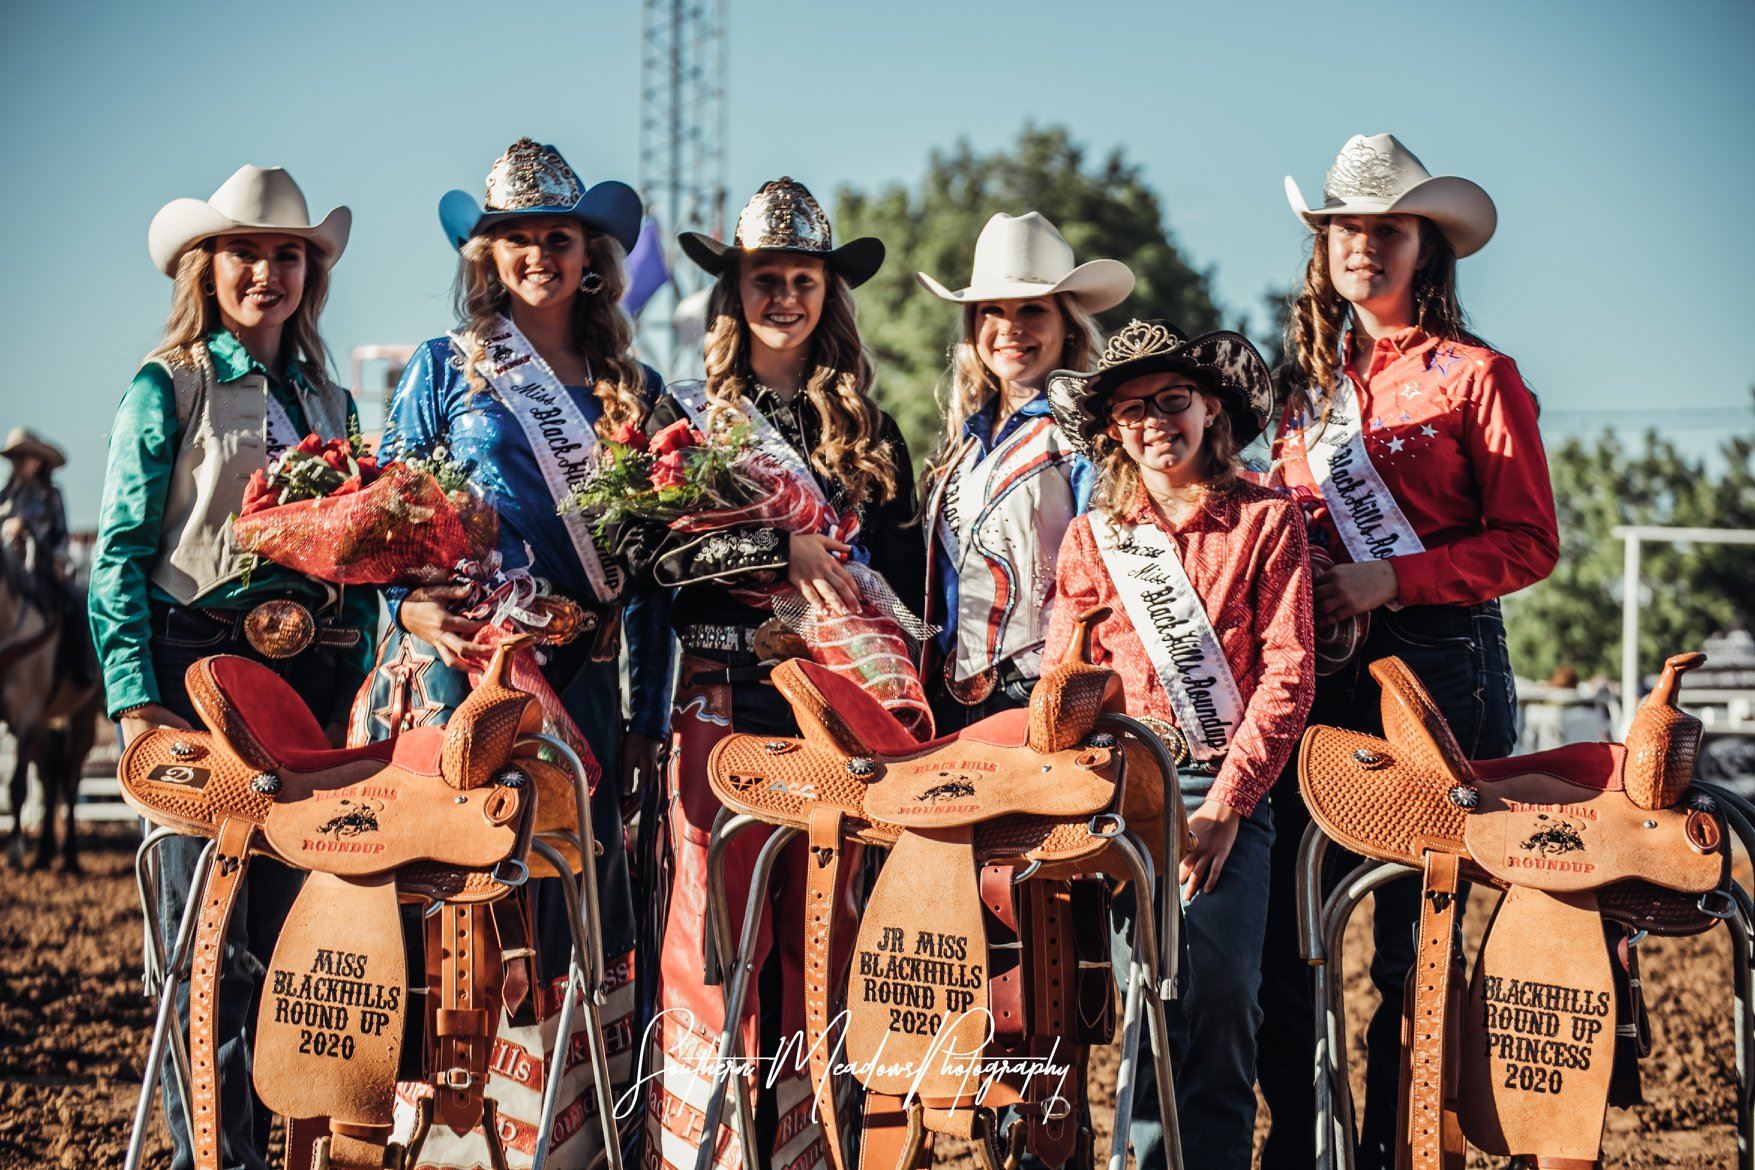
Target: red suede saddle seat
(272,713)
(883,735)
(1589,765)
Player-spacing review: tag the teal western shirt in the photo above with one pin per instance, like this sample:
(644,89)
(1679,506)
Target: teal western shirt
(143,450)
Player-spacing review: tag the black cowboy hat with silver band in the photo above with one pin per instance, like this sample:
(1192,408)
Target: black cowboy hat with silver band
(785,217)
(1224,363)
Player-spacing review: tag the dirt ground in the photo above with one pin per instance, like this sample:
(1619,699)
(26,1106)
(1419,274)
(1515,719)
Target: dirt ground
(74,1027)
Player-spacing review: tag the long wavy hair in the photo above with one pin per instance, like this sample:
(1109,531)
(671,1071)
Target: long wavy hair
(968,384)
(602,331)
(838,387)
(1118,476)
(1319,312)
(195,314)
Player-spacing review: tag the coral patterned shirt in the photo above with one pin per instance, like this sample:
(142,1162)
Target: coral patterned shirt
(1244,553)
(1451,430)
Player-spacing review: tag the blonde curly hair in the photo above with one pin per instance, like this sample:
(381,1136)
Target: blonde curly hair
(601,329)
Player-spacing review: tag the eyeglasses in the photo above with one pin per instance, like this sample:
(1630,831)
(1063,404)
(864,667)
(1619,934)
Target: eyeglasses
(1131,412)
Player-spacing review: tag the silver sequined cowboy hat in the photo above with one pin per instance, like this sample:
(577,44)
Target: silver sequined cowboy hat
(1023,256)
(1380,176)
(531,179)
(254,199)
(1224,363)
(785,217)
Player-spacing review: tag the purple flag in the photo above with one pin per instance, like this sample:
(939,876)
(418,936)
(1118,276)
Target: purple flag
(647,272)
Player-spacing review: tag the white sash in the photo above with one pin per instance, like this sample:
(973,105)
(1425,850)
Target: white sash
(278,432)
(1365,512)
(692,397)
(559,434)
(1172,624)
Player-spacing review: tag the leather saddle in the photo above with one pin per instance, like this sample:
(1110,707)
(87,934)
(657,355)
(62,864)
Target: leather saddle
(950,971)
(434,816)
(1519,1062)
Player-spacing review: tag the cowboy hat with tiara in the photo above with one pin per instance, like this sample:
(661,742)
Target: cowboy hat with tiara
(1380,176)
(530,179)
(254,199)
(1021,256)
(785,217)
(22,442)
(1224,363)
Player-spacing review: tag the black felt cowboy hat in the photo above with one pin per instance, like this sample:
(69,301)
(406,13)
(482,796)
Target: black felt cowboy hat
(785,217)
(1224,363)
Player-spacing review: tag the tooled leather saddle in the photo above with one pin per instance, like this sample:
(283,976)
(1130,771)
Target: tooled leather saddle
(1519,1061)
(953,980)
(435,816)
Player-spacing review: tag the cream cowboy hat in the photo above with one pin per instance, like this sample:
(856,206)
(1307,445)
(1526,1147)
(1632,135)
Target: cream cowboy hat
(1380,176)
(1019,256)
(254,199)
(22,442)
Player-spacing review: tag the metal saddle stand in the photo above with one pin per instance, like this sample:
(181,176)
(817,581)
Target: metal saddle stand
(449,819)
(1068,787)
(1516,1060)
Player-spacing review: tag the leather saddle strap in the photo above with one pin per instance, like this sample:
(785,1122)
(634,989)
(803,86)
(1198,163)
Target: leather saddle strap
(512,926)
(1050,955)
(895,1136)
(460,939)
(1005,981)
(822,868)
(357,1147)
(218,896)
(1428,1059)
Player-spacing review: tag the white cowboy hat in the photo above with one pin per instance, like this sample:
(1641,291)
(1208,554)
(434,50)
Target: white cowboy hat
(1380,176)
(23,442)
(1019,256)
(254,199)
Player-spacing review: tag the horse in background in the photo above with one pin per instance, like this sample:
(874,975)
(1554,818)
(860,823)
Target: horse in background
(53,720)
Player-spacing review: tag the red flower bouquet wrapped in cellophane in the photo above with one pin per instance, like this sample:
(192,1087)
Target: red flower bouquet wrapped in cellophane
(327,510)
(692,485)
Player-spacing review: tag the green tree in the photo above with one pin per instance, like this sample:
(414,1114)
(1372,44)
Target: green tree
(1103,208)
(1688,592)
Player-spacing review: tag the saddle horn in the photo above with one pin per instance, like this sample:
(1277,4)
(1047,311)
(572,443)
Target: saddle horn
(1663,740)
(481,732)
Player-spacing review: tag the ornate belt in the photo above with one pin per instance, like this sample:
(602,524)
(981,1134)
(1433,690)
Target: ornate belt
(282,627)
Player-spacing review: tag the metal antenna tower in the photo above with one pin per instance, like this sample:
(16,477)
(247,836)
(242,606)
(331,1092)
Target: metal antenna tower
(682,148)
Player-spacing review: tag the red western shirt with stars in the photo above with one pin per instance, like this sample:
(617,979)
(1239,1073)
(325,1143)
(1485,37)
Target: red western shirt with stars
(1244,554)
(1451,429)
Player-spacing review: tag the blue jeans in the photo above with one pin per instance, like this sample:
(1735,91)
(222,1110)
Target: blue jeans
(1458,653)
(263,900)
(1213,1022)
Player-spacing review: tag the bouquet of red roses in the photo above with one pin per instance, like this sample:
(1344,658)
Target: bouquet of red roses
(329,511)
(689,484)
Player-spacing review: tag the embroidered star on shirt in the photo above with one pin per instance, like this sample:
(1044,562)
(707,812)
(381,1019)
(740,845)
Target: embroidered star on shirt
(1396,445)
(1428,431)
(1443,358)
(1411,390)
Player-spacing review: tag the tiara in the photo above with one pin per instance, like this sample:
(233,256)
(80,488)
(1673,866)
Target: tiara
(1137,340)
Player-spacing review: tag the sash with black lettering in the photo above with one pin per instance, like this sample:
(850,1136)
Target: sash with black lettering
(692,397)
(1172,624)
(559,434)
(278,432)
(1371,523)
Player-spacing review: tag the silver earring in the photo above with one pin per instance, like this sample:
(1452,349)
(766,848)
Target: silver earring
(591,283)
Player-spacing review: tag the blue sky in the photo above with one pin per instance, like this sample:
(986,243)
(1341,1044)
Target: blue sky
(1614,137)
